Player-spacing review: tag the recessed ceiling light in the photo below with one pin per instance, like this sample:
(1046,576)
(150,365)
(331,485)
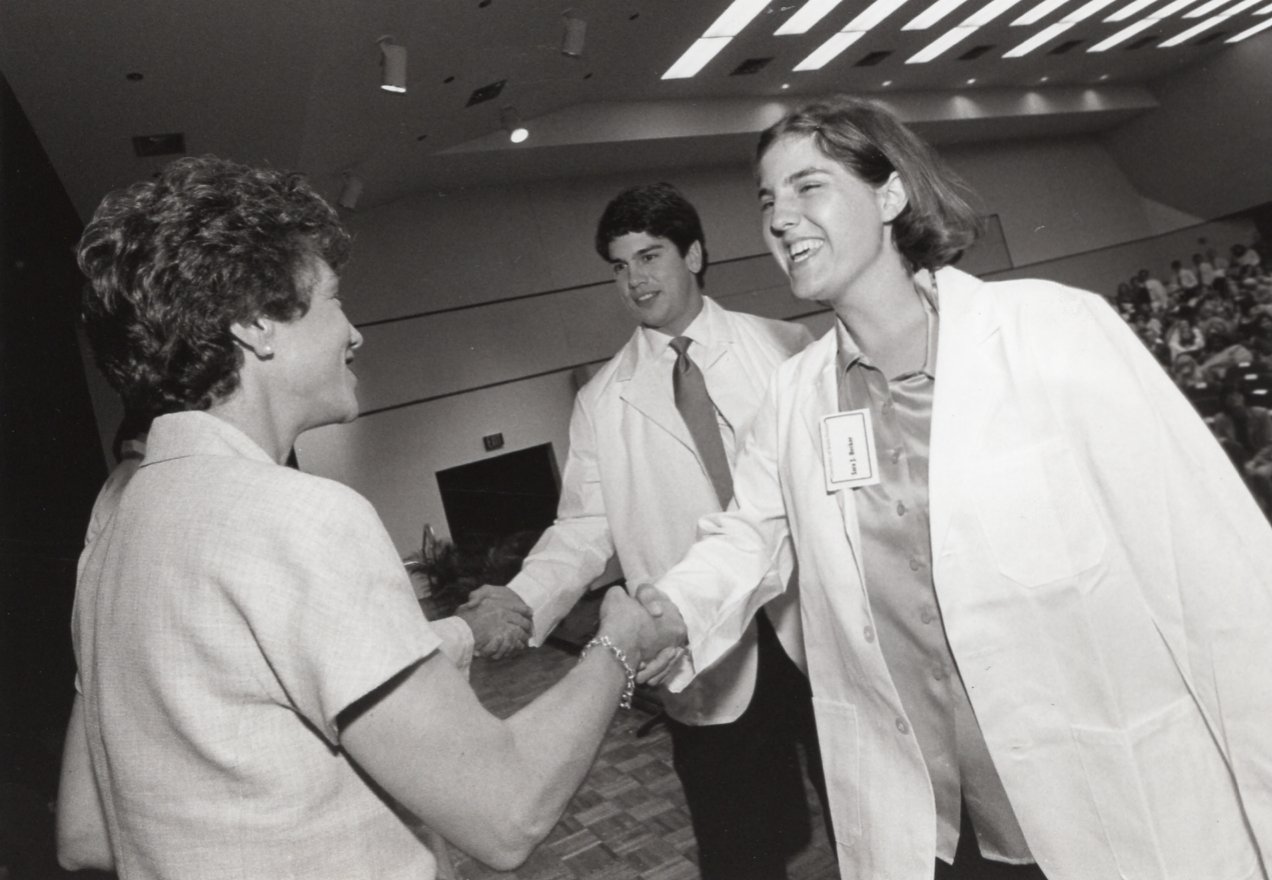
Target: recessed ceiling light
(786,85)
(1103,77)
(971,81)
(886,83)
(1043,79)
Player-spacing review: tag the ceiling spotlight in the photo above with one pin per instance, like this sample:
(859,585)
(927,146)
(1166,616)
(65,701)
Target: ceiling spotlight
(511,122)
(574,36)
(886,83)
(971,81)
(785,86)
(393,62)
(351,191)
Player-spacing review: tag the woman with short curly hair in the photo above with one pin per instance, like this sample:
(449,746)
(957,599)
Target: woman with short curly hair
(260,695)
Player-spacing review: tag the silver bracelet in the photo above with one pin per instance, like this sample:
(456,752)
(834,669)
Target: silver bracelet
(625,701)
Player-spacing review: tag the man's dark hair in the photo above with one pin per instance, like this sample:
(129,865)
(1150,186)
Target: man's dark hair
(173,262)
(937,224)
(656,209)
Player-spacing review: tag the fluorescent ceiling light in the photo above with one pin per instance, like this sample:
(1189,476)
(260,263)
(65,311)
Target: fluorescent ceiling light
(940,44)
(1250,32)
(809,14)
(1208,23)
(873,14)
(735,18)
(696,57)
(1043,36)
(1130,9)
(1264,11)
(1205,8)
(1090,9)
(932,15)
(970,25)
(989,13)
(827,51)
(1041,11)
(1123,35)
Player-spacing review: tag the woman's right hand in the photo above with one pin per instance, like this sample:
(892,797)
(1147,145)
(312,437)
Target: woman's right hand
(628,625)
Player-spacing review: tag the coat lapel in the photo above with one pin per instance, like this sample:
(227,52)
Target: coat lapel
(822,398)
(968,321)
(647,389)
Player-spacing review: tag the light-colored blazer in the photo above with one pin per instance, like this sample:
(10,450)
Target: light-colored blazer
(1104,577)
(634,484)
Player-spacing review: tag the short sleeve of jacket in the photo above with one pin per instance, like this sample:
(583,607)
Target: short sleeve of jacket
(327,600)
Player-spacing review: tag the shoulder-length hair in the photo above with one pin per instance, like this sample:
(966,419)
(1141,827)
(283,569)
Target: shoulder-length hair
(938,224)
(172,263)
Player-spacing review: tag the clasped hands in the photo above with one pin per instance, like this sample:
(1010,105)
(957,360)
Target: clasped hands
(502,623)
(654,623)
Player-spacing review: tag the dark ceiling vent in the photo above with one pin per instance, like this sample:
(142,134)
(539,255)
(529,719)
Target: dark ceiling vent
(973,53)
(750,66)
(873,58)
(1143,41)
(486,93)
(159,144)
(1066,46)
(1211,38)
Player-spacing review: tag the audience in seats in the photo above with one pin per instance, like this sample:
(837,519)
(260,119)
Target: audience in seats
(1212,330)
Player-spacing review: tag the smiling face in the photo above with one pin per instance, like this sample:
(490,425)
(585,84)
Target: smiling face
(826,228)
(657,284)
(315,351)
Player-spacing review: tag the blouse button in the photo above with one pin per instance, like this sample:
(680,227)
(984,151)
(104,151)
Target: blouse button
(900,508)
(902,727)
(915,565)
(868,632)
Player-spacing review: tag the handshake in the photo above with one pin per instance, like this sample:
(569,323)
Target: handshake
(649,627)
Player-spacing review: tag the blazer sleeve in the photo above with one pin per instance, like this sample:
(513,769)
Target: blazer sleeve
(1199,546)
(575,549)
(720,584)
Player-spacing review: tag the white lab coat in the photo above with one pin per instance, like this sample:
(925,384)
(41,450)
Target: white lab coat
(633,483)
(1104,577)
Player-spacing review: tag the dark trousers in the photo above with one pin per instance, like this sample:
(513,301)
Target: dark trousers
(742,780)
(969,864)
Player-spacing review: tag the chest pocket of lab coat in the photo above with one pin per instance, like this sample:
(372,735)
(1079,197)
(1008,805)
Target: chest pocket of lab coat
(1037,514)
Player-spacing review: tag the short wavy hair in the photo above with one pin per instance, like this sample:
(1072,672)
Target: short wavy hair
(173,262)
(938,224)
(657,209)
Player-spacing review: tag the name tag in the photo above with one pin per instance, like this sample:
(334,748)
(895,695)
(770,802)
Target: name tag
(848,450)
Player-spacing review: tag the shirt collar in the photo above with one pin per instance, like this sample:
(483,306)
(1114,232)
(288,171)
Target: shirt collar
(705,330)
(182,434)
(851,355)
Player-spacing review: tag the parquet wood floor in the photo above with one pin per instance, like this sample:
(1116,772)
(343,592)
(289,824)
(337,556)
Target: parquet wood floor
(628,820)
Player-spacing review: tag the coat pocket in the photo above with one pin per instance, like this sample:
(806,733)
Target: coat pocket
(1165,798)
(841,763)
(1037,514)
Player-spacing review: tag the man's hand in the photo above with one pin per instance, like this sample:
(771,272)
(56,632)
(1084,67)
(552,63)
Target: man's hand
(670,641)
(500,621)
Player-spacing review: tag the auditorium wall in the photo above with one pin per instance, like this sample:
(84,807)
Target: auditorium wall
(477,304)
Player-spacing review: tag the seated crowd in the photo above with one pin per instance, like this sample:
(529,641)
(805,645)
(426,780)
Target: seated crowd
(1210,326)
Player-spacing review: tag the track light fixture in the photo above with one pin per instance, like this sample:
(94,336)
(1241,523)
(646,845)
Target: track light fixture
(575,34)
(511,121)
(393,63)
(351,191)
